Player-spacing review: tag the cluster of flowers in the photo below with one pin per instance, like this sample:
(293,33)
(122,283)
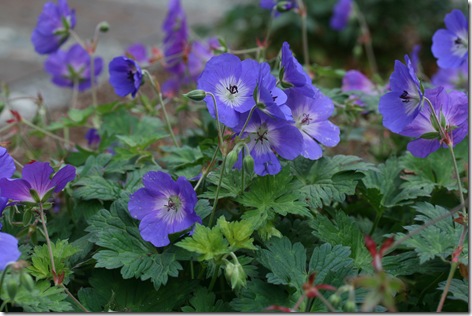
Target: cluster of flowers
(71,67)
(291,120)
(183,59)
(443,121)
(35,186)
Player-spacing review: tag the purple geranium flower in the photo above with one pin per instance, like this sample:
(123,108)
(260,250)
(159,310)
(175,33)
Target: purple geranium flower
(72,67)
(10,252)
(53,26)
(270,99)
(311,118)
(281,6)
(198,54)
(452,78)
(125,76)
(451,45)
(37,177)
(267,136)
(415,58)
(93,138)
(452,109)
(164,207)
(401,105)
(232,82)
(137,52)
(292,75)
(176,38)
(341,12)
(354,80)
(7,169)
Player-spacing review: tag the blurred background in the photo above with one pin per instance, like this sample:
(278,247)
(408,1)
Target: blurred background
(396,26)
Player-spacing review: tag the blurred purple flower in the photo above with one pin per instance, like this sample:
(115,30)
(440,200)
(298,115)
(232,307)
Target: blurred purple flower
(354,80)
(292,76)
(414,57)
(311,118)
(451,45)
(7,169)
(53,26)
(138,52)
(280,6)
(164,207)
(93,138)
(267,136)
(452,78)
(341,12)
(125,76)
(37,177)
(400,106)
(452,109)
(10,252)
(232,82)
(176,38)
(72,66)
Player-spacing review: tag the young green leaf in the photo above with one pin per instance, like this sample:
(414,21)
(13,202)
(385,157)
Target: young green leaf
(208,242)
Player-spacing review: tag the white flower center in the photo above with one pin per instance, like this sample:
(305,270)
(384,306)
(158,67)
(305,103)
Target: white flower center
(232,92)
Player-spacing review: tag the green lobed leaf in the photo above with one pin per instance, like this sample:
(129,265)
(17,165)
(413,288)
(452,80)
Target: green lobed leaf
(458,288)
(440,239)
(344,231)
(124,248)
(41,264)
(286,262)
(272,194)
(208,242)
(326,259)
(238,234)
(96,187)
(204,301)
(328,179)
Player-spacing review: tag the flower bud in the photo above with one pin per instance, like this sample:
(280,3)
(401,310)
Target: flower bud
(231,159)
(248,163)
(350,307)
(335,299)
(103,26)
(27,281)
(196,95)
(235,275)
(284,6)
(12,289)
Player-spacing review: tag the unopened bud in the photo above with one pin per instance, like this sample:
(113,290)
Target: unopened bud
(235,275)
(196,95)
(248,163)
(350,307)
(284,6)
(12,289)
(27,281)
(231,159)
(335,299)
(103,26)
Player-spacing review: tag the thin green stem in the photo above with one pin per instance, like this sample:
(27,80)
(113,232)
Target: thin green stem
(367,43)
(376,222)
(214,277)
(2,279)
(48,241)
(426,225)
(245,51)
(4,304)
(326,303)
(454,266)
(269,28)
(212,216)
(76,301)
(220,134)
(29,124)
(161,102)
(247,120)
(458,178)
(302,9)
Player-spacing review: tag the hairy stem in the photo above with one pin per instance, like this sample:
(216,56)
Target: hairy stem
(247,120)
(458,178)
(214,277)
(161,102)
(76,301)
(368,42)
(212,216)
(454,265)
(48,241)
(29,124)
(220,134)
